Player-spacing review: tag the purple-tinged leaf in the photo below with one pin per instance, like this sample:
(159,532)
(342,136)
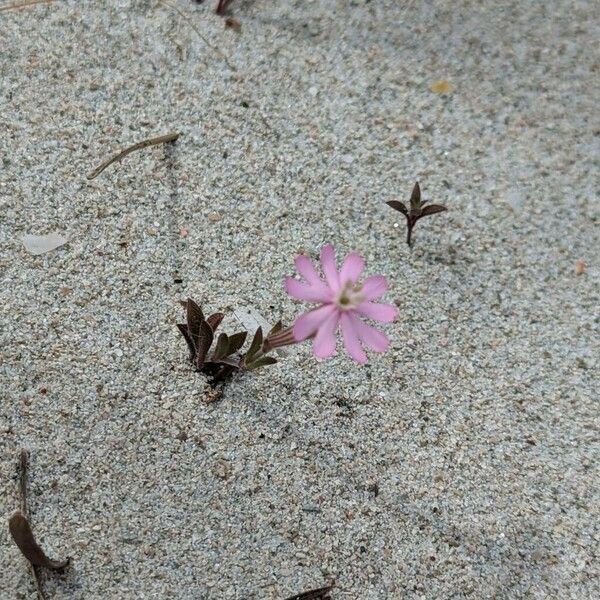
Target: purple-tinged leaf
(203,344)
(226,360)
(20,530)
(184,332)
(275,329)
(263,361)
(398,206)
(285,337)
(236,341)
(415,198)
(432,209)
(194,318)
(215,320)
(255,346)
(222,347)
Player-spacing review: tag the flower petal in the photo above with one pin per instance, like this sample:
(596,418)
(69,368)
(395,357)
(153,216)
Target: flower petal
(384,313)
(371,337)
(303,291)
(351,269)
(307,269)
(324,342)
(308,323)
(351,341)
(329,267)
(374,287)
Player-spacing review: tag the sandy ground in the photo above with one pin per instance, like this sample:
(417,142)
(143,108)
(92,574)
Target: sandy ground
(461,464)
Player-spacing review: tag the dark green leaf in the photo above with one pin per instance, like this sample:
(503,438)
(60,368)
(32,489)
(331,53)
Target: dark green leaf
(236,341)
(232,362)
(398,206)
(276,328)
(222,346)
(256,344)
(263,361)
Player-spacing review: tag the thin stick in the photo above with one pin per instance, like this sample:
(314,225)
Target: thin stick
(163,139)
(23,481)
(24,3)
(24,464)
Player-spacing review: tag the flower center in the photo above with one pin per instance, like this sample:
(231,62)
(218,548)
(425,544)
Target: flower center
(350,296)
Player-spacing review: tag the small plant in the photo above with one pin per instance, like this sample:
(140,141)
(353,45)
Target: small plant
(418,209)
(344,300)
(225,359)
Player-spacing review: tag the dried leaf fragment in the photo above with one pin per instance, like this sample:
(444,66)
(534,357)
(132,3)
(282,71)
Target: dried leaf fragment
(441,87)
(580,267)
(20,530)
(232,23)
(40,244)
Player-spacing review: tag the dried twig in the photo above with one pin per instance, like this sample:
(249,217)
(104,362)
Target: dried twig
(24,3)
(163,139)
(23,464)
(21,532)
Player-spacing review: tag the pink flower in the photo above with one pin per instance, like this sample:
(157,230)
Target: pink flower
(343,301)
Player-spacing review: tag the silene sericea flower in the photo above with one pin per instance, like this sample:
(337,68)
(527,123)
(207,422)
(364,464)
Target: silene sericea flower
(344,303)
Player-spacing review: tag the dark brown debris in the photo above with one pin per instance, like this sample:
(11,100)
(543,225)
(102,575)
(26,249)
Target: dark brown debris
(316,594)
(22,534)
